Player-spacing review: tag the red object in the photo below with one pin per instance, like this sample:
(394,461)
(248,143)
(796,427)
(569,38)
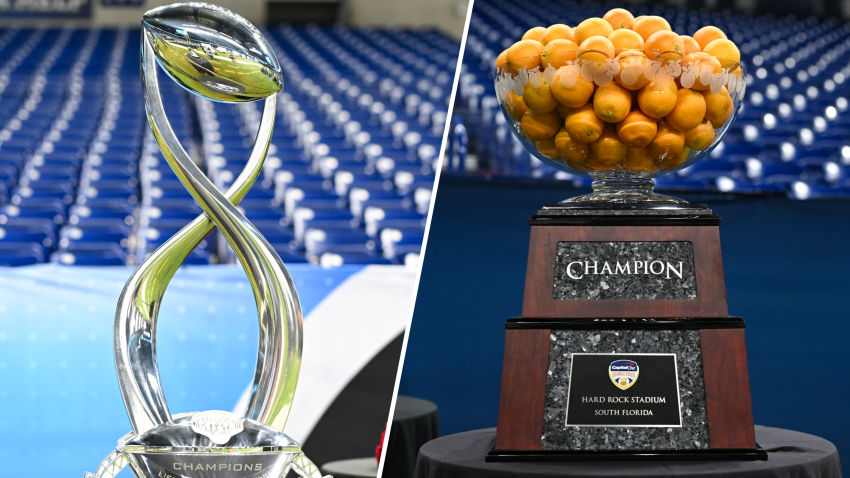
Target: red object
(380,447)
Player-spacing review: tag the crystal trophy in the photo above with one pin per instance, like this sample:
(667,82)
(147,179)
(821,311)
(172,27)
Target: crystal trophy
(216,54)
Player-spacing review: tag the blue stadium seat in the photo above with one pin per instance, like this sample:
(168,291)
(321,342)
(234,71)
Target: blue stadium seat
(91,254)
(20,253)
(41,231)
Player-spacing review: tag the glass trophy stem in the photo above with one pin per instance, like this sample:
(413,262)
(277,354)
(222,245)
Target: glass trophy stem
(190,445)
(617,187)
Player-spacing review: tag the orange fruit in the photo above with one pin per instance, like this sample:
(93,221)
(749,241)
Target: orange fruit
(562,110)
(570,149)
(583,124)
(697,69)
(592,163)
(525,54)
(502,58)
(623,39)
(691,45)
(515,105)
(664,45)
(637,129)
(590,28)
(645,26)
(632,67)
(558,53)
(657,102)
(688,112)
(619,18)
(539,126)
(725,51)
(666,145)
(571,89)
(700,137)
(612,103)
(535,34)
(558,31)
(596,48)
(706,35)
(716,104)
(540,99)
(546,147)
(608,149)
(639,159)
(717,123)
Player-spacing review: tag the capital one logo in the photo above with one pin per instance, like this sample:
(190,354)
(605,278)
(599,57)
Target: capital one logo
(624,373)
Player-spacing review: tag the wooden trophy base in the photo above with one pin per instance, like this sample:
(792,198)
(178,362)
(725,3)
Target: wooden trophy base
(625,349)
(716,420)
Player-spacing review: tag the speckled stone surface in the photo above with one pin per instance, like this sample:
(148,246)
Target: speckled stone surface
(616,212)
(608,284)
(684,343)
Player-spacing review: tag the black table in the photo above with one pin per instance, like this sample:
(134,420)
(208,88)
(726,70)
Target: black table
(415,422)
(790,454)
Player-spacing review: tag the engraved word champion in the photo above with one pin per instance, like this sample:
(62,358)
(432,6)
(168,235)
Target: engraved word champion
(628,268)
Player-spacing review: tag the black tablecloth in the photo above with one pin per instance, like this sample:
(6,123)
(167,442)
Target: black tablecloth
(790,454)
(415,422)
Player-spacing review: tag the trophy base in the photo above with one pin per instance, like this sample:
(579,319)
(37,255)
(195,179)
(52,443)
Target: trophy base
(257,464)
(757,454)
(212,444)
(688,397)
(623,187)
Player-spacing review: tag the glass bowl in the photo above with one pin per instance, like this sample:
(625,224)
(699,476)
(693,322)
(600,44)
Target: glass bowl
(622,117)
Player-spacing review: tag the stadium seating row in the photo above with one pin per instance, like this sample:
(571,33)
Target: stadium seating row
(348,177)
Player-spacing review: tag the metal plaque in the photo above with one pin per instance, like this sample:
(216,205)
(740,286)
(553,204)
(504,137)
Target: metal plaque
(623,390)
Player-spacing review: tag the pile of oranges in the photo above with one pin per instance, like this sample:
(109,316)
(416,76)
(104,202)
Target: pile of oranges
(620,93)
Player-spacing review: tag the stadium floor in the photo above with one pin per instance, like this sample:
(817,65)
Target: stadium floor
(785,267)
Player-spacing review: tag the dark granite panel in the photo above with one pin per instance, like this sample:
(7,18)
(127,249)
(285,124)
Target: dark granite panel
(615,212)
(684,343)
(625,270)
